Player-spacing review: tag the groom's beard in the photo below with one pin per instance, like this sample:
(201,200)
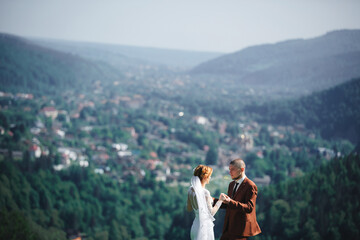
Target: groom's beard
(237,178)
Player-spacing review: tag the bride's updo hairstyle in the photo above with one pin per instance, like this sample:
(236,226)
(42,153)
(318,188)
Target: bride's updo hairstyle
(203,172)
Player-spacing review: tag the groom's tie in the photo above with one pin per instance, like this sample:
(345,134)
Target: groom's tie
(234,191)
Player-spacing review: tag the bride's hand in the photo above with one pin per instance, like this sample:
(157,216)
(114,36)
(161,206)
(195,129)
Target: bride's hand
(222,197)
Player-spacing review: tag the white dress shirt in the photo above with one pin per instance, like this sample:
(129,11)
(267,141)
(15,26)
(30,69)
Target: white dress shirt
(240,182)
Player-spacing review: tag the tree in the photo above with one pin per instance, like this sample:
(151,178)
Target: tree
(211,156)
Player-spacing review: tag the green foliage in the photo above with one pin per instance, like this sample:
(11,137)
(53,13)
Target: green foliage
(334,112)
(319,205)
(15,225)
(211,156)
(78,199)
(197,135)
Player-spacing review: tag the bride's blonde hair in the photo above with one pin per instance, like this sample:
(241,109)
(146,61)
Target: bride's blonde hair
(203,171)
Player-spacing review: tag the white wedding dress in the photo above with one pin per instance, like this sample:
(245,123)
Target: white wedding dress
(201,202)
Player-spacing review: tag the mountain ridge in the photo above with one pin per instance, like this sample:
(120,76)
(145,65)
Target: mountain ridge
(29,67)
(133,54)
(298,63)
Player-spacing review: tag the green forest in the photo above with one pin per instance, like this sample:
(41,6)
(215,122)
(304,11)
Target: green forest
(334,112)
(41,204)
(320,205)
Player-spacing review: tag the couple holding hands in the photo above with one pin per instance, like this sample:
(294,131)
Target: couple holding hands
(239,202)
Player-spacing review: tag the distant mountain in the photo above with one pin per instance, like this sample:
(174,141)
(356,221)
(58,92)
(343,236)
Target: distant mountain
(335,113)
(311,64)
(25,66)
(127,56)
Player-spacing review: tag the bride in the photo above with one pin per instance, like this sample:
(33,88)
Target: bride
(200,200)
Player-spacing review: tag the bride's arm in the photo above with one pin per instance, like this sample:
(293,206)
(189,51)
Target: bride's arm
(189,207)
(209,201)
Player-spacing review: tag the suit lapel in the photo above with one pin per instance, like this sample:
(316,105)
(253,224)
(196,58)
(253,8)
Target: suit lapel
(231,187)
(240,188)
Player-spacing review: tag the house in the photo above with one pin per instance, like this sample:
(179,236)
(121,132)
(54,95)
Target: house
(260,154)
(151,164)
(132,131)
(83,163)
(75,115)
(326,153)
(136,102)
(59,167)
(201,120)
(4,94)
(160,176)
(24,96)
(85,104)
(119,146)
(122,154)
(101,158)
(86,128)
(67,155)
(153,154)
(264,181)
(50,112)
(99,170)
(247,141)
(35,141)
(35,151)
(60,133)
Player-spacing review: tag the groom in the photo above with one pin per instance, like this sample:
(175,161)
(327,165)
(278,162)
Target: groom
(240,218)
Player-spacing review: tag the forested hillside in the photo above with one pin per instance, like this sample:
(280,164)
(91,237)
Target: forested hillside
(294,65)
(320,205)
(38,203)
(335,113)
(29,68)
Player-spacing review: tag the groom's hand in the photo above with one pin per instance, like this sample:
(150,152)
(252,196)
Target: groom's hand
(225,198)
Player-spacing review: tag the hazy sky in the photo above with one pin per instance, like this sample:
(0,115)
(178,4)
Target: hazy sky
(202,25)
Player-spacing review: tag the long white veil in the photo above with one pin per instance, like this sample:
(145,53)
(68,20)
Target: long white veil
(206,231)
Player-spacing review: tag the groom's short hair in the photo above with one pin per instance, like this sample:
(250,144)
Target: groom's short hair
(238,163)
